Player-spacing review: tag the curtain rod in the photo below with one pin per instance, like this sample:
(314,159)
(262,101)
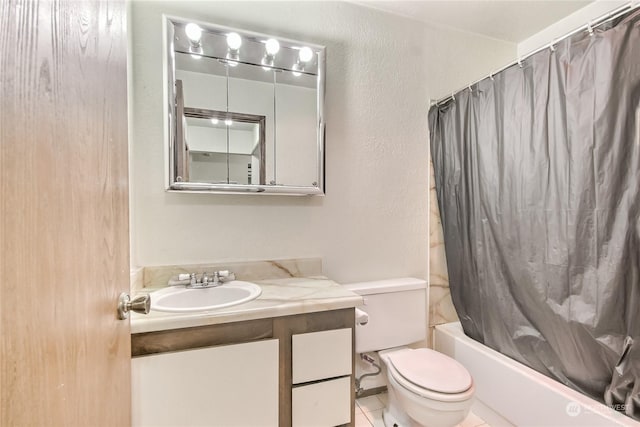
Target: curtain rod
(589,26)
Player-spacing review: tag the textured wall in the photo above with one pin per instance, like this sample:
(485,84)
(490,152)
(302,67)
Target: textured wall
(381,72)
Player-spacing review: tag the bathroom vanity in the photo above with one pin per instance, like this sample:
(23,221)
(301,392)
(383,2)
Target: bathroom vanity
(285,358)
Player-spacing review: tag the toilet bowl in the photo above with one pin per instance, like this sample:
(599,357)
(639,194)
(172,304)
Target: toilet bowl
(426,388)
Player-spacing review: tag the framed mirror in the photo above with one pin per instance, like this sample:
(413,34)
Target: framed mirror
(244,111)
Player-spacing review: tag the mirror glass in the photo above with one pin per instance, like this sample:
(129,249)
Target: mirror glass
(244,111)
(224,151)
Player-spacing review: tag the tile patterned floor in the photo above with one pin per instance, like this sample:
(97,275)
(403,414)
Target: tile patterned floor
(369,413)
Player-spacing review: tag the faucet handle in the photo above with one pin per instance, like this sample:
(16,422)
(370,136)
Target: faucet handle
(225,275)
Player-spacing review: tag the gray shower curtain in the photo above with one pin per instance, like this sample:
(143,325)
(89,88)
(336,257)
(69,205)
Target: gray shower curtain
(538,180)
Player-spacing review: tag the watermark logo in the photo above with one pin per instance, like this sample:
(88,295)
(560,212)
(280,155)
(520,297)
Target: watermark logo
(573,409)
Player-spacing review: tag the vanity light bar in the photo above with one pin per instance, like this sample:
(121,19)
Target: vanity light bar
(302,62)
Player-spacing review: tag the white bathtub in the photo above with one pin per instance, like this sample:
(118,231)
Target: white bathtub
(509,393)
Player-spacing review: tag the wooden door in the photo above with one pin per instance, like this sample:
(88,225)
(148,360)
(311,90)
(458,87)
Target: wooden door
(65,358)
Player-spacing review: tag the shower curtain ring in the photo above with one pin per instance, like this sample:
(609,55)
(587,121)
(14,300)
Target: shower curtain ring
(552,47)
(453,96)
(470,90)
(491,77)
(519,62)
(590,29)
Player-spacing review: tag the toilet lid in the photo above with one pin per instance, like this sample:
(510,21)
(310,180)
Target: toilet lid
(431,370)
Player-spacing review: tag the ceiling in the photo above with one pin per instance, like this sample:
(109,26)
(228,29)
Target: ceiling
(512,21)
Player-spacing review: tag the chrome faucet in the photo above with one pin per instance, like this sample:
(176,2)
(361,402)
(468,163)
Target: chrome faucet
(209,281)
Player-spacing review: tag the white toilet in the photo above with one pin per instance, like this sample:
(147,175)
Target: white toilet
(426,388)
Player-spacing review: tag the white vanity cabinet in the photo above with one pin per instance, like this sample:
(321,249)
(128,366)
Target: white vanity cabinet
(228,385)
(286,371)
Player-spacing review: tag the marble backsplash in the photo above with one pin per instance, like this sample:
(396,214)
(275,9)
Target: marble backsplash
(441,309)
(158,276)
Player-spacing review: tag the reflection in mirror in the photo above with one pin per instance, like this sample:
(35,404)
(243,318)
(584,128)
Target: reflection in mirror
(251,91)
(270,90)
(204,81)
(224,148)
(296,96)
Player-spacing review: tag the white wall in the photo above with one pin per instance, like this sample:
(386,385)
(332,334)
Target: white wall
(566,25)
(381,72)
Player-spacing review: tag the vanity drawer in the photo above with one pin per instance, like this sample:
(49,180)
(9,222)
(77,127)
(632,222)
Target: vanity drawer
(327,403)
(320,355)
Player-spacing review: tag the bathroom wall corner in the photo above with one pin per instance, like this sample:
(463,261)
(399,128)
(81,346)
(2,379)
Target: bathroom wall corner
(441,309)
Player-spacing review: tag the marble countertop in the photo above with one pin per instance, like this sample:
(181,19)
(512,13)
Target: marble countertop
(280,297)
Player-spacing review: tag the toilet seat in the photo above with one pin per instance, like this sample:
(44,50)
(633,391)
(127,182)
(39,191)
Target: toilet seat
(430,374)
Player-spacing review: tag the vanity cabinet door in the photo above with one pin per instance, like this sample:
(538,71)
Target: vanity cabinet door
(321,355)
(231,385)
(322,404)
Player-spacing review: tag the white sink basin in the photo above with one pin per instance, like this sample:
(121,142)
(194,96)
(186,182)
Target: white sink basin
(178,299)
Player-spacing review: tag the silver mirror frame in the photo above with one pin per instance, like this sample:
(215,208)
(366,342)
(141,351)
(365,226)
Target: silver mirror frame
(170,122)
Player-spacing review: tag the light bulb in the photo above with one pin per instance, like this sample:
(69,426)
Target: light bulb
(296,71)
(305,54)
(228,122)
(267,62)
(194,32)
(214,121)
(234,41)
(272,47)
(196,50)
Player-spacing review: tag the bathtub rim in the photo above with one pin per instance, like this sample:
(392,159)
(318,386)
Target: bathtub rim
(454,331)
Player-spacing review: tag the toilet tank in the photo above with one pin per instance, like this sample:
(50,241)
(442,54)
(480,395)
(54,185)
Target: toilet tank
(397,310)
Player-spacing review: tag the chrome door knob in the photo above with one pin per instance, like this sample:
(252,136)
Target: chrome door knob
(141,304)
